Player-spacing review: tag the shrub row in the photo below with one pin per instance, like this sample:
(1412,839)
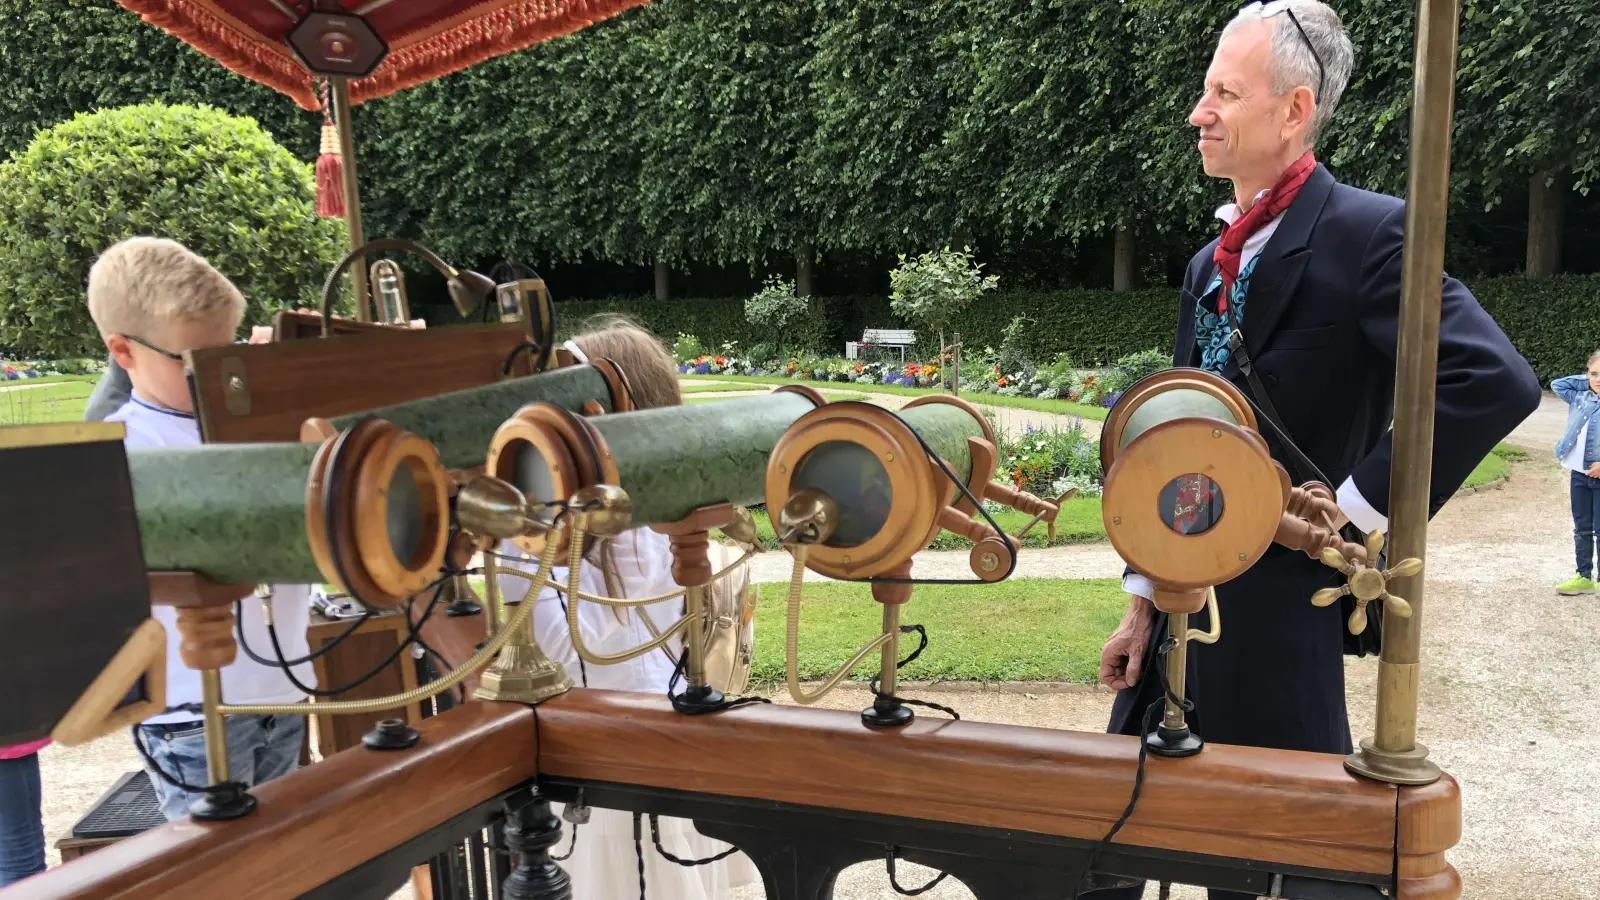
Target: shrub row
(1554,322)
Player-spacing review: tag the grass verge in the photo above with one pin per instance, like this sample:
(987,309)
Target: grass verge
(1078,523)
(1059,407)
(1496,467)
(53,399)
(1024,629)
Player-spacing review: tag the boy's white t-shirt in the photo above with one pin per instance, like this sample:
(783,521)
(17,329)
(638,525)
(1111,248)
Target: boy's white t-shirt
(245,681)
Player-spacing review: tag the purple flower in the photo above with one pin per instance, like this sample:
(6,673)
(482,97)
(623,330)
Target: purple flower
(907,381)
(683,368)
(702,369)
(888,378)
(1027,428)
(1111,399)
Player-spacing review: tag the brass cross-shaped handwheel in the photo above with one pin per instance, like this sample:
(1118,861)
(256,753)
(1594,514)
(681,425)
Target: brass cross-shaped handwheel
(1366,583)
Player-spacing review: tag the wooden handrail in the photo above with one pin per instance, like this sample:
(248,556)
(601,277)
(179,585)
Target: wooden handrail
(1275,806)
(313,824)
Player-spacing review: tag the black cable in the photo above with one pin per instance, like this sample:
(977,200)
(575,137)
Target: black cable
(412,635)
(1151,714)
(655,835)
(570,847)
(638,849)
(223,787)
(530,346)
(238,627)
(894,882)
(682,706)
(923,645)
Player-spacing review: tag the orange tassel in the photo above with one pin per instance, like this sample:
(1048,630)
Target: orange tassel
(330,175)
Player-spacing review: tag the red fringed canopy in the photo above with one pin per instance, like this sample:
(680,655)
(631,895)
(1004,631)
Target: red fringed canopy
(426,38)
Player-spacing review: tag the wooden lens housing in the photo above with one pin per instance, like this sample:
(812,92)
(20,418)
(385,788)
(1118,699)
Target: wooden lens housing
(888,507)
(1170,394)
(1143,489)
(549,454)
(390,499)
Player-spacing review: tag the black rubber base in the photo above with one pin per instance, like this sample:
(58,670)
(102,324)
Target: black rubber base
(701,699)
(1173,742)
(219,806)
(390,734)
(887,714)
(461,606)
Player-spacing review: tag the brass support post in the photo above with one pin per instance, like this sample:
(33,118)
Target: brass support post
(352,193)
(1392,754)
(521,673)
(888,673)
(1177,670)
(216,735)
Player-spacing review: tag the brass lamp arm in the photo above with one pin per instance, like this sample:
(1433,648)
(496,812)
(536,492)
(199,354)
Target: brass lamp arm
(792,641)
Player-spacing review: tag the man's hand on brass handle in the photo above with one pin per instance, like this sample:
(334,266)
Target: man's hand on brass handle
(1122,657)
(1366,583)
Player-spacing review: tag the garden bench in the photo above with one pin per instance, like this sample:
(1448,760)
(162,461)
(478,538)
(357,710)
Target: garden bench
(900,338)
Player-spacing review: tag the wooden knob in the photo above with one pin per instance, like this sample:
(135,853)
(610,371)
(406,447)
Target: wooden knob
(691,558)
(207,636)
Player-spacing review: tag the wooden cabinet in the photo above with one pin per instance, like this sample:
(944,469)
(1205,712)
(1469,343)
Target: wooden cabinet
(355,656)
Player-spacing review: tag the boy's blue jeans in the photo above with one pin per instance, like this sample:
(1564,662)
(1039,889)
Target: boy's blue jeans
(1585,514)
(260,748)
(21,831)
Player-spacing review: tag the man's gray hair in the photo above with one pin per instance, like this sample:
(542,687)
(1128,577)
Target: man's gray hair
(1294,64)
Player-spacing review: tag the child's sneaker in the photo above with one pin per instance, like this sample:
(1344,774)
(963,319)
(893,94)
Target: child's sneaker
(1575,585)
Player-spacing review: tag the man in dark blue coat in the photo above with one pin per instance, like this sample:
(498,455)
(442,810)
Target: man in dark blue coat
(1308,270)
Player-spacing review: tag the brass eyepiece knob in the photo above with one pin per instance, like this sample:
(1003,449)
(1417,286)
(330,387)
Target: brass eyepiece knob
(1366,583)
(494,508)
(607,509)
(742,530)
(809,517)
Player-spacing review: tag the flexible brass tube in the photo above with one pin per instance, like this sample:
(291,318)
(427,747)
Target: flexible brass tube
(646,601)
(574,569)
(1209,637)
(395,701)
(792,641)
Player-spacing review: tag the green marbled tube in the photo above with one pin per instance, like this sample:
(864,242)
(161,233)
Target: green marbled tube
(461,423)
(674,460)
(235,513)
(945,428)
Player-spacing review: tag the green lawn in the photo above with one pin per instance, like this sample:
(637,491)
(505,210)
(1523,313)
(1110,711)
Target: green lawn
(1060,407)
(59,399)
(1022,629)
(718,388)
(1496,466)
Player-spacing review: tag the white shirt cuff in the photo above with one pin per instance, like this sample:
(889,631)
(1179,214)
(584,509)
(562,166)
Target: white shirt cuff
(1138,585)
(1358,510)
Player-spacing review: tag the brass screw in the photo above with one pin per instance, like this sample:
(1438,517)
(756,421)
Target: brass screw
(989,562)
(235,383)
(783,470)
(1241,557)
(889,457)
(1116,520)
(1216,432)
(847,559)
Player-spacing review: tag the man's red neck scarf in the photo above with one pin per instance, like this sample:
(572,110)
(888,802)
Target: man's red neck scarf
(1231,246)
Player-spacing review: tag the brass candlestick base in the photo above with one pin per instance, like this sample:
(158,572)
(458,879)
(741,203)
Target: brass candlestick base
(1407,767)
(523,674)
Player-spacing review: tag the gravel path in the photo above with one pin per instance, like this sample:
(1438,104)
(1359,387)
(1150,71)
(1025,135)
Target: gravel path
(1511,689)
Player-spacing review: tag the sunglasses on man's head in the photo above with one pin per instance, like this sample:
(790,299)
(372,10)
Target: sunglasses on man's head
(149,346)
(1268,10)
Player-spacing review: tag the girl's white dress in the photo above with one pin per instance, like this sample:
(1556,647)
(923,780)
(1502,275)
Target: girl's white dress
(604,864)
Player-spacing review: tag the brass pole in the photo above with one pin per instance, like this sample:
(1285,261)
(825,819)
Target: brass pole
(694,606)
(888,674)
(352,192)
(1177,670)
(1392,754)
(216,735)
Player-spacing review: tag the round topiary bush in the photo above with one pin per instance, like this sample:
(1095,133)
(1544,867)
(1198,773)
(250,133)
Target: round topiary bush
(217,183)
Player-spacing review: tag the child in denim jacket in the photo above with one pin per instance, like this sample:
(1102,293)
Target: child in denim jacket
(1579,450)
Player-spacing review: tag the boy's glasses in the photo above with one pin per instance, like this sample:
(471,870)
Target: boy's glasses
(149,346)
(1268,10)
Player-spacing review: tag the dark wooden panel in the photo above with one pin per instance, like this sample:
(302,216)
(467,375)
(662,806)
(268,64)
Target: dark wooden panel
(293,326)
(355,656)
(294,380)
(1300,809)
(74,588)
(313,824)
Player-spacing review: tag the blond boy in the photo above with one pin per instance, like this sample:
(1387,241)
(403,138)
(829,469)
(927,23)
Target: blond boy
(153,299)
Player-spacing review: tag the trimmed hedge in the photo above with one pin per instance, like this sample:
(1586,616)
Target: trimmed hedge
(1554,322)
